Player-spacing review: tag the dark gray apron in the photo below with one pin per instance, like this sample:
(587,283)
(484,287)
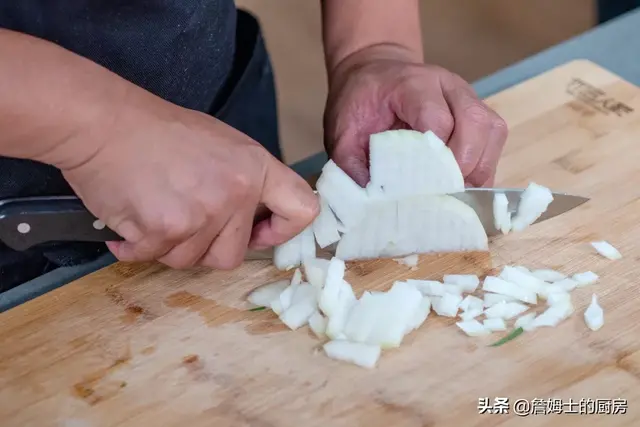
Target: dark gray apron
(200,54)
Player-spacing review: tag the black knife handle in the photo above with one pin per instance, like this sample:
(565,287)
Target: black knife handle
(29,221)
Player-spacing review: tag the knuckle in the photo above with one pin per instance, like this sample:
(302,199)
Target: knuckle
(500,127)
(437,118)
(477,114)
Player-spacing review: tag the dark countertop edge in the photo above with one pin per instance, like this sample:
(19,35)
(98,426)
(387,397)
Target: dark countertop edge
(603,45)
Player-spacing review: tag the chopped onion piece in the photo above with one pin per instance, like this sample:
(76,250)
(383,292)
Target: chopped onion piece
(262,296)
(407,162)
(525,321)
(291,253)
(365,355)
(428,287)
(501,214)
(495,324)
(594,315)
(315,270)
(420,315)
(303,305)
(447,305)
(276,306)
(364,316)
(325,226)
(450,288)
(471,303)
(340,313)
(467,282)
(409,261)
(548,275)
(524,280)
(505,310)
(522,268)
(471,314)
(606,250)
(286,297)
(493,299)
(345,197)
(561,297)
(473,328)
(330,295)
(585,279)
(318,324)
(534,201)
(401,302)
(553,315)
(567,284)
(500,286)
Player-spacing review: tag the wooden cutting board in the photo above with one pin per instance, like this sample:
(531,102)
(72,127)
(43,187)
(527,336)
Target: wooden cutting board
(142,345)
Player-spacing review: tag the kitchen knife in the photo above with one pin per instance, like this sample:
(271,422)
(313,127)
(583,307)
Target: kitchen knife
(26,222)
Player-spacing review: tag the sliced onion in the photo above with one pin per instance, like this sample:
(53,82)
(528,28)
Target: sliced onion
(466,282)
(365,355)
(447,305)
(304,303)
(471,314)
(585,279)
(548,275)
(291,253)
(501,214)
(500,286)
(318,324)
(325,226)
(561,297)
(491,299)
(428,287)
(364,316)
(553,315)
(473,328)
(329,298)
(606,250)
(346,198)
(263,295)
(525,321)
(524,280)
(340,312)
(315,271)
(420,315)
(594,315)
(494,324)
(407,162)
(471,303)
(534,201)
(505,310)
(566,285)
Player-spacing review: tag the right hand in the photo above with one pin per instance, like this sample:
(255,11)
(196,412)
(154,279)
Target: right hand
(183,188)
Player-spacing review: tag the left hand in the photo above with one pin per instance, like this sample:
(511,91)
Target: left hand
(380,90)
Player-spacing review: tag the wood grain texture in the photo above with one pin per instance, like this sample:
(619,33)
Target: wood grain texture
(142,345)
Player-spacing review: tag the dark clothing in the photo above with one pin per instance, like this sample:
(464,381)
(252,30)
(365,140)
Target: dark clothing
(200,54)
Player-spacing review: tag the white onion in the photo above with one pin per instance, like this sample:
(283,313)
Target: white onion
(364,355)
(407,162)
(505,310)
(548,275)
(325,226)
(340,312)
(500,286)
(303,304)
(471,314)
(594,315)
(329,298)
(534,201)
(524,280)
(409,261)
(586,278)
(447,305)
(471,303)
(491,299)
(318,324)
(420,315)
(606,250)
(346,198)
(473,328)
(567,284)
(428,287)
(466,282)
(553,315)
(263,295)
(560,297)
(501,214)
(525,321)
(364,315)
(315,271)
(494,324)
(291,253)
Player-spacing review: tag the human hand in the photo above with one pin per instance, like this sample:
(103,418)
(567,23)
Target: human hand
(382,88)
(183,188)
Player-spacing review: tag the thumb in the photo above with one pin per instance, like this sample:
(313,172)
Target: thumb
(293,205)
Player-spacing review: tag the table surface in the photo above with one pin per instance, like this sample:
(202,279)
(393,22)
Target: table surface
(606,45)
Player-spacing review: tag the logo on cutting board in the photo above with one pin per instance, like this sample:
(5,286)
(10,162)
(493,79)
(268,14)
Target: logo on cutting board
(596,98)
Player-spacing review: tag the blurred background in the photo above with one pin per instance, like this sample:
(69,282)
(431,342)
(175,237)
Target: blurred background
(473,38)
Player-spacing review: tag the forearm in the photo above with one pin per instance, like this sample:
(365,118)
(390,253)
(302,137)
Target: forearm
(49,96)
(351,26)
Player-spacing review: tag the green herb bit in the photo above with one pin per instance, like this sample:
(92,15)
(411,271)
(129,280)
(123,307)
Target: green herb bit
(512,335)
(258,308)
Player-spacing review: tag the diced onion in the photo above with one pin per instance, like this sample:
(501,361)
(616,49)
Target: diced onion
(594,315)
(318,324)
(315,271)
(428,287)
(501,214)
(524,280)
(409,261)
(505,310)
(420,315)
(467,282)
(365,355)
(263,295)
(491,299)
(447,305)
(329,298)
(525,321)
(325,226)
(548,275)
(471,314)
(606,250)
(500,286)
(495,324)
(291,253)
(585,279)
(473,328)
(471,303)
(534,201)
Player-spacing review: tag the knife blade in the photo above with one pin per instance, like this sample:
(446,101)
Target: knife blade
(30,221)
